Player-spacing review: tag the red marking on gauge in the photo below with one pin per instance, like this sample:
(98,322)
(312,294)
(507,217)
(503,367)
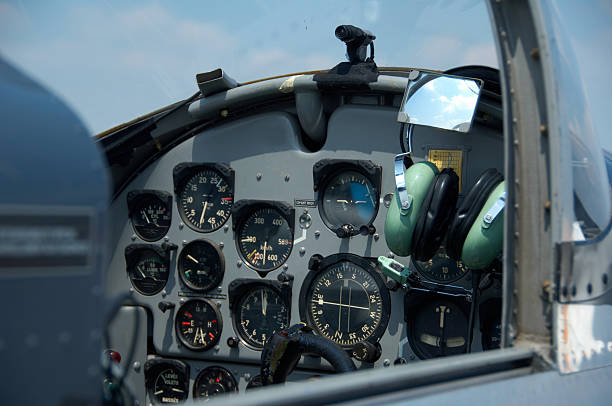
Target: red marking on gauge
(211,336)
(227,198)
(186,323)
(188,314)
(214,321)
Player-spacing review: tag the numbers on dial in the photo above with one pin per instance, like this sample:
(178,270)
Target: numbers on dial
(345,304)
(201,265)
(169,387)
(441,268)
(214,381)
(264,239)
(198,324)
(260,313)
(205,200)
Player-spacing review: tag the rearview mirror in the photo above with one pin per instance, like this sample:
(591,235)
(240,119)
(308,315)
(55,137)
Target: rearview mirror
(441,101)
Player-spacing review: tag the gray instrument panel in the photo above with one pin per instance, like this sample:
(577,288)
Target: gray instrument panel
(270,164)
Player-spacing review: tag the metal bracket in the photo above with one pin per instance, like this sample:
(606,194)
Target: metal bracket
(494,211)
(400,181)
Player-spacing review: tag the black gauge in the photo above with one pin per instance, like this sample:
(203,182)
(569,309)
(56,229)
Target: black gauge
(150,213)
(214,381)
(438,328)
(264,236)
(441,268)
(349,194)
(346,300)
(201,265)
(198,324)
(348,199)
(147,268)
(167,381)
(205,194)
(259,313)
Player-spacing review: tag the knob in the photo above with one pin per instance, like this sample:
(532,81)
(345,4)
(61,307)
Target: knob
(366,352)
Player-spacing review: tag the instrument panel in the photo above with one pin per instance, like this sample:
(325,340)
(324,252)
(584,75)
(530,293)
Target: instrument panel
(229,245)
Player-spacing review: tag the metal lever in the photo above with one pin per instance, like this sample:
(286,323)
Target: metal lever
(494,211)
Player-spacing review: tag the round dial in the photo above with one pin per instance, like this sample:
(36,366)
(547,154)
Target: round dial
(148,272)
(214,381)
(264,239)
(198,324)
(441,268)
(348,198)
(347,304)
(205,200)
(201,265)
(150,217)
(259,313)
(438,328)
(169,387)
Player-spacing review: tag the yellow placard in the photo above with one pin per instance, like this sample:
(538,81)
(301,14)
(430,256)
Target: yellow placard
(447,158)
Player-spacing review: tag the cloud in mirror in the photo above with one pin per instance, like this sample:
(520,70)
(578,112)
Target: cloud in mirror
(441,101)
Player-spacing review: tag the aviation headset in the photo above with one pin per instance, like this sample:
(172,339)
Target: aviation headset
(476,228)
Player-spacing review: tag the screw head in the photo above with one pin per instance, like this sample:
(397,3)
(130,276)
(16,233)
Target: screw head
(287,178)
(133,237)
(302,251)
(376,236)
(136,366)
(258,176)
(181,225)
(225,228)
(239,264)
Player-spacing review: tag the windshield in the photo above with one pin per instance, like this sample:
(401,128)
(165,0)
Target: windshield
(113,61)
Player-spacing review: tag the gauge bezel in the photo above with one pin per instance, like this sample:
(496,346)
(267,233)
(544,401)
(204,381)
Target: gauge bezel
(242,211)
(154,366)
(131,257)
(238,288)
(325,170)
(183,172)
(134,197)
(415,301)
(185,342)
(427,276)
(205,370)
(318,264)
(181,271)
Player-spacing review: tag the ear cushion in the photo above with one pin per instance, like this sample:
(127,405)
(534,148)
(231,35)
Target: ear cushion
(435,215)
(468,211)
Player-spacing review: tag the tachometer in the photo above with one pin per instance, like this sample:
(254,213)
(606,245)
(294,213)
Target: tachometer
(147,268)
(259,313)
(198,324)
(201,265)
(214,381)
(264,233)
(205,194)
(150,213)
(345,299)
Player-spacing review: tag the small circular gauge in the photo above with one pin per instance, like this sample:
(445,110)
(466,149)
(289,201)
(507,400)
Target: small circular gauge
(260,313)
(264,239)
(438,328)
(348,199)
(147,271)
(347,304)
(214,381)
(151,217)
(198,324)
(441,268)
(205,200)
(201,265)
(169,387)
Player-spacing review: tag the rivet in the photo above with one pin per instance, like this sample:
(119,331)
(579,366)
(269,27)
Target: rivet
(547,205)
(386,362)
(287,178)
(544,129)
(221,244)
(376,236)
(219,289)
(184,242)
(246,376)
(182,300)
(535,53)
(285,267)
(516,234)
(181,225)
(302,251)
(516,205)
(225,228)
(133,237)
(390,255)
(258,176)
(238,264)
(166,238)
(224,113)
(131,290)
(217,348)
(516,142)
(136,366)
(164,293)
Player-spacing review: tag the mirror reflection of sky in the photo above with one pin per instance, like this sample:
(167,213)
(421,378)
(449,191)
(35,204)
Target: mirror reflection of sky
(443,102)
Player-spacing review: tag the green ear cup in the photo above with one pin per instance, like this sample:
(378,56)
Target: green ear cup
(482,245)
(399,224)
